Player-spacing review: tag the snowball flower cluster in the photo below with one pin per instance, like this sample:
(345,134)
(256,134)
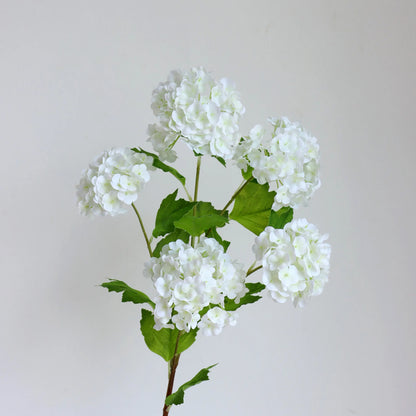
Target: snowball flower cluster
(188,279)
(111,183)
(295,261)
(194,107)
(289,159)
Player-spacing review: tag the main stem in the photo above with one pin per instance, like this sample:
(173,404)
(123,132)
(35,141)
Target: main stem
(173,364)
(149,248)
(198,170)
(187,193)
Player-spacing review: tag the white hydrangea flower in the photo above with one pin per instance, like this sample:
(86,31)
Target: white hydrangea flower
(215,320)
(295,261)
(112,182)
(194,107)
(289,159)
(188,279)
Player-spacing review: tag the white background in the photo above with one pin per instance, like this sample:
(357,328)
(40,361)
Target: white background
(76,78)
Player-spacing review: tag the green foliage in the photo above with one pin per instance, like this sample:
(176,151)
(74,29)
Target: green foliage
(186,339)
(249,297)
(247,174)
(163,342)
(204,218)
(221,160)
(129,294)
(157,163)
(278,219)
(252,207)
(170,210)
(177,234)
(178,397)
(212,233)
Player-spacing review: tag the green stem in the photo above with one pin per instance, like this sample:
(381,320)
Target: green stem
(174,142)
(149,248)
(187,193)
(250,270)
(171,147)
(198,170)
(173,364)
(239,189)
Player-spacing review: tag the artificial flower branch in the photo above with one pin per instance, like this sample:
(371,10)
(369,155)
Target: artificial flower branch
(198,286)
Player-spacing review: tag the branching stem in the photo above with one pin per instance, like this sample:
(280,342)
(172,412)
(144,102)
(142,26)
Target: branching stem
(149,248)
(188,195)
(198,170)
(239,189)
(250,270)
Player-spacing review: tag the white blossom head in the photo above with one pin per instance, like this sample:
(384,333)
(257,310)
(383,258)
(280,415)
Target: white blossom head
(192,285)
(295,261)
(288,160)
(112,182)
(192,106)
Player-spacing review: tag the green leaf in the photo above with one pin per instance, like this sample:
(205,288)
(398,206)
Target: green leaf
(129,294)
(204,218)
(177,234)
(163,342)
(157,163)
(255,287)
(170,210)
(248,173)
(212,233)
(221,160)
(249,297)
(278,219)
(252,207)
(186,339)
(178,396)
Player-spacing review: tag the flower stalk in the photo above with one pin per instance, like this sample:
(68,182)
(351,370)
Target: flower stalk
(173,364)
(239,189)
(149,248)
(188,195)
(198,285)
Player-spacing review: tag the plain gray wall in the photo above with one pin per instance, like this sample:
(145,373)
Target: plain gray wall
(76,78)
